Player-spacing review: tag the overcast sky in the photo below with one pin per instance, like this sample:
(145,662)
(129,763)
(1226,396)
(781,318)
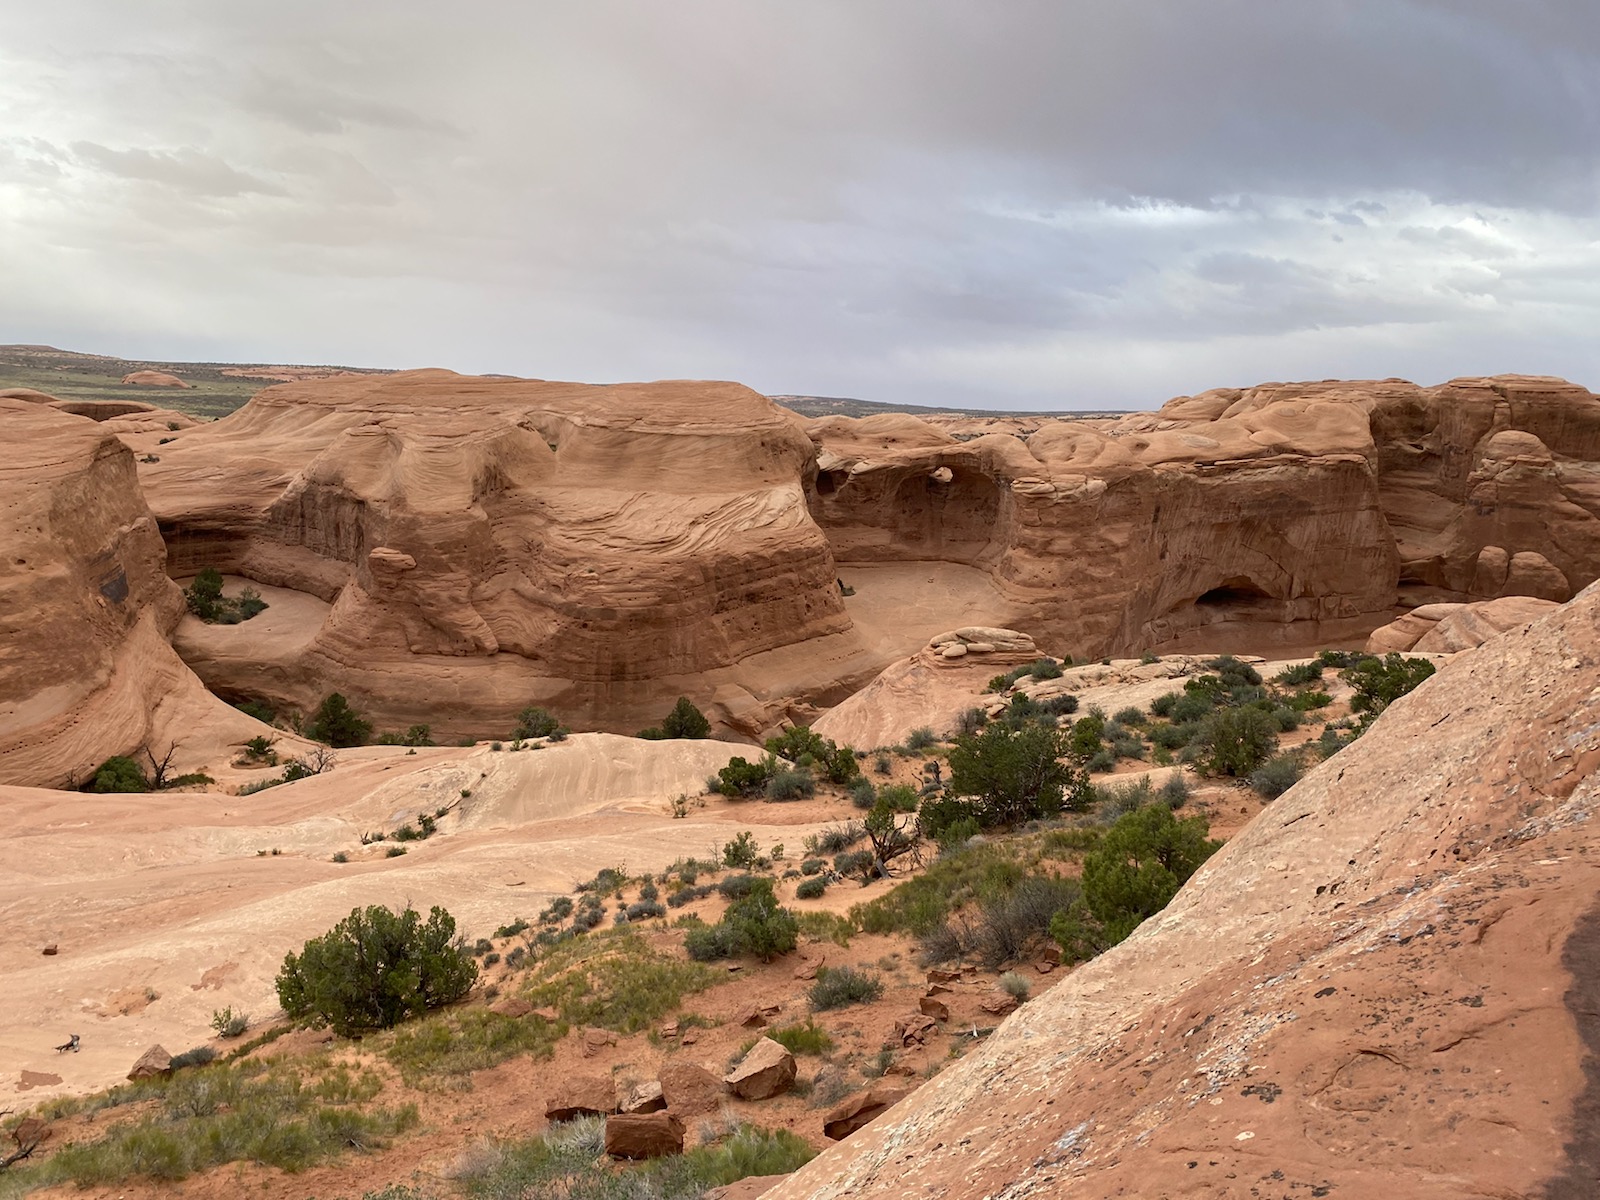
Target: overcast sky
(1002,203)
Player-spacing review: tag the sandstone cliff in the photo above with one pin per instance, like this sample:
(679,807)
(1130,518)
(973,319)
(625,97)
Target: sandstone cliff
(85,604)
(1384,986)
(1297,512)
(490,543)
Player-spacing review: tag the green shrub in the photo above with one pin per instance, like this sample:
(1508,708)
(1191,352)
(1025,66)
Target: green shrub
(1235,741)
(1130,716)
(921,738)
(337,724)
(1299,674)
(229,1024)
(811,889)
(1378,683)
(802,747)
(863,794)
(1014,775)
(741,852)
(1277,775)
(1006,924)
(1162,706)
(898,797)
(1016,986)
(614,980)
(1045,668)
(1309,700)
(741,778)
(1139,866)
(806,1038)
(836,987)
(753,924)
(1101,761)
(375,968)
(812,866)
(119,774)
(791,783)
(535,722)
(204,595)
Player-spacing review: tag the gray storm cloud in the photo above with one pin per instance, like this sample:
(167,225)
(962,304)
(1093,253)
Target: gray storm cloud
(1003,204)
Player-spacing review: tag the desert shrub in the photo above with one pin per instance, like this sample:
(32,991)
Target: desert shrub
(1045,668)
(337,724)
(1101,761)
(805,1038)
(688,895)
(1191,706)
(853,862)
(741,852)
(863,794)
(1128,747)
(742,778)
(921,738)
(923,902)
(1233,672)
(1130,716)
(898,797)
(199,1056)
(512,928)
(1285,718)
(1139,866)
(1084,739)
(1162,706)
(836,987)
(811,889)
(444,1049)
(605,881)
(1014,775)
(812,866)
(119,773)
(1299,674)
(641,910)
(1235,741)
(558,910)
(839,837)
(1309,700)
(204,595)
(259,709)
(1059,706)
(1016,986)
(1277,775)
(1120,799)
(375,968)
(228,1023)
(753,924)
(970,721)
(1007,923)
(1379,682)
(535,722)
(791,783)
(1339,658)
(614,980)
(1171,737)
(1175,791)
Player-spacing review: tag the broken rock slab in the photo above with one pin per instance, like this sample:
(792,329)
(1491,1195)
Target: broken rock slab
(768,1070)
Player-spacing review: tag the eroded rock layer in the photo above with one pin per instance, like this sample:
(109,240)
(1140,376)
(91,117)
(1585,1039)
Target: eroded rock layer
(85,602)
(488,543)
(1285,507)
(1384,986)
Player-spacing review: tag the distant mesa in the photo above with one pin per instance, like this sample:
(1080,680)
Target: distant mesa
(154,379)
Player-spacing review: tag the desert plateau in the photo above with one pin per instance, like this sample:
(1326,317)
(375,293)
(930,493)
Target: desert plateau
(706,721)
(913,600)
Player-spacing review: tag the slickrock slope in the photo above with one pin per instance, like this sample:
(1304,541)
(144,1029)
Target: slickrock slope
(1312,504)
(85,605)
(1448,628)
(1384,986)
(490,543)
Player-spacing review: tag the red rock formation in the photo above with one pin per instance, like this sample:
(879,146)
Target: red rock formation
(1384,986)
(1303,504)
(1448,628)
(154,379)
(490,543)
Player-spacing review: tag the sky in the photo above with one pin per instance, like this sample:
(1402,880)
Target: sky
(997,204)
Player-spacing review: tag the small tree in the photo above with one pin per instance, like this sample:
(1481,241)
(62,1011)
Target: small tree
(1379,682)
(204,595)
(119,774)
(1136,870)
(686,721)
(337,724)
(1235,741)
(375,968)
(1016,775)
(535,722)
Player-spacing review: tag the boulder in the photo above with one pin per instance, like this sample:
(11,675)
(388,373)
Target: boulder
(581,1096)
(154,379)
(748,1188)
(511,1006)
(768,1070)
(154,1063)
(999,1003)
(937,1009)
(915,1029)
(643,1135)
(645,1098)
(855,1111)
(691,1090)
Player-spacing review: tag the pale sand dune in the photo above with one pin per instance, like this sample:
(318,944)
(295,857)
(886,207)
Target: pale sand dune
(171,892)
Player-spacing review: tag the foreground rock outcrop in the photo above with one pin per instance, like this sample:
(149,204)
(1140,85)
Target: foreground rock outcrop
(1300,512)
(490,543)
(1450,628)
(1384,986)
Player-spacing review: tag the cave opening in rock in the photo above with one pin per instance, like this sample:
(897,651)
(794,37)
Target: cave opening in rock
(1238,592)
(829,482)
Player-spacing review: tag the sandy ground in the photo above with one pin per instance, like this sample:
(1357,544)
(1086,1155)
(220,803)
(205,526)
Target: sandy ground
(165,908)
(897,607)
